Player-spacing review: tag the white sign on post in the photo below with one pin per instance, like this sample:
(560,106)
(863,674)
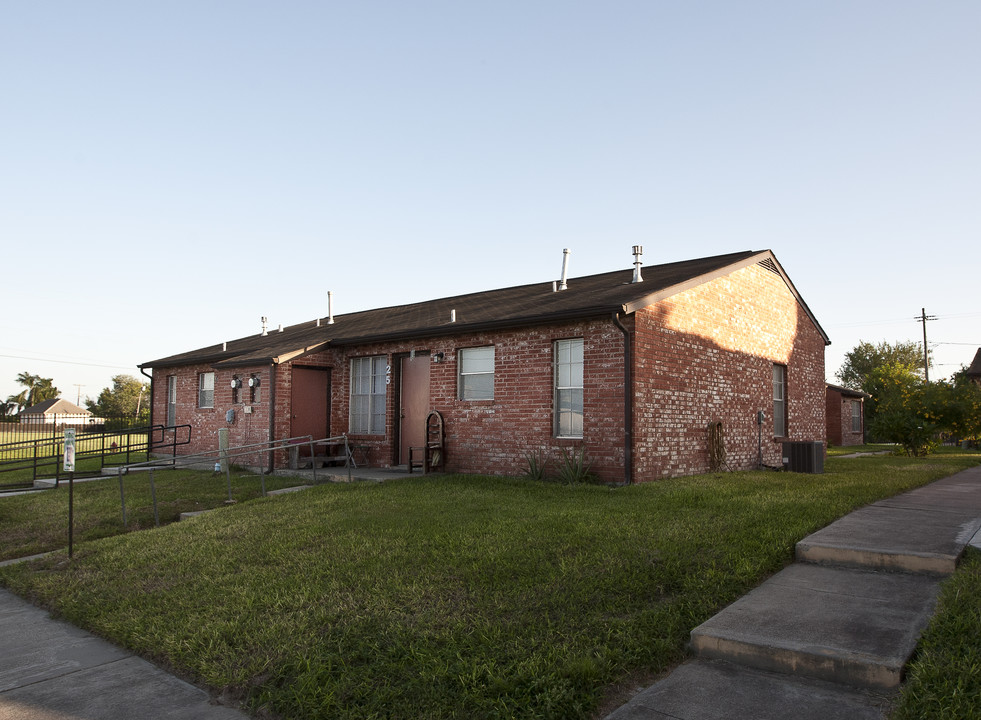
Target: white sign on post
(69,450)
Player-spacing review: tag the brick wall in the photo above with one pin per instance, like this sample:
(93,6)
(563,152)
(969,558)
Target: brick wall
(707,355)
(495,436)
(244,429)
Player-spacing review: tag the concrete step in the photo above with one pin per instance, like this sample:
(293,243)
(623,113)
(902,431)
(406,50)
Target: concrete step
(716,690)
(922,531)
(843,625)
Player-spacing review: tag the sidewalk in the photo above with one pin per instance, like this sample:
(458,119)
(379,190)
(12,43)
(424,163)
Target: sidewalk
(829,636)
(50,670)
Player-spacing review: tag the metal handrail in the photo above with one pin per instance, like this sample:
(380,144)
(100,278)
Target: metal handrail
(222,455)
(43,455)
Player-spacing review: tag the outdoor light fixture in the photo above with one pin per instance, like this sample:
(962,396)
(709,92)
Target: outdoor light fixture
(438,357)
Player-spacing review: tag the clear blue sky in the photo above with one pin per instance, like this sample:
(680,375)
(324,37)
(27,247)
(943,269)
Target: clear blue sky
(171,172)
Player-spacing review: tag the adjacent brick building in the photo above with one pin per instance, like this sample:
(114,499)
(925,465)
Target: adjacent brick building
(846,416)
(671,371)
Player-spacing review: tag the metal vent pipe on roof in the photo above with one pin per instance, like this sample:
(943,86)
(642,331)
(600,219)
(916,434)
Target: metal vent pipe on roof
(638,251)
(264,330)
(330,307)
(563,285)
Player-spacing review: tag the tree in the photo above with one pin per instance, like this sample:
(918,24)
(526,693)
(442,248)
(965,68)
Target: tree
(958,403)
(901,409)
(860,362)
(36,389)
(128,397)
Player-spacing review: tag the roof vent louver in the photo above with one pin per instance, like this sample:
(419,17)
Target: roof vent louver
(768,264)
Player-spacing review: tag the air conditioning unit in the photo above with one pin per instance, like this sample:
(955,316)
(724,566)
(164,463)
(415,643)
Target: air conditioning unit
(803,457)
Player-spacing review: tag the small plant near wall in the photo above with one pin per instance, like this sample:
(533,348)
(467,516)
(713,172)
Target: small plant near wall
(537,465)
(575,468)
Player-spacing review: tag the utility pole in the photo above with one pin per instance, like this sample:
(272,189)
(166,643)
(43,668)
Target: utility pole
(923,317)
(78,397)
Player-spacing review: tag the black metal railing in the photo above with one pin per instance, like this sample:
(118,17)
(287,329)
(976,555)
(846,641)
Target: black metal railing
(23,462)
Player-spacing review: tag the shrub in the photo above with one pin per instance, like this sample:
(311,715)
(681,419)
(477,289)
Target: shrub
(537,465)
(575,468)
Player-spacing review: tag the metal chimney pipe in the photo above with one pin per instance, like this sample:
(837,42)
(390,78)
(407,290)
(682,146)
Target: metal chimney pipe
(563,285)
(264,331)
(638,251)
(330,307)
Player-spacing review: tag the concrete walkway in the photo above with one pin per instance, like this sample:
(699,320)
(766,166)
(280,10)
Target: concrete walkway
(829,636)
(50,670)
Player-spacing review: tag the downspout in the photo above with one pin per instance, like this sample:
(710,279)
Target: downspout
(272,415)
(628,402)
(143,372)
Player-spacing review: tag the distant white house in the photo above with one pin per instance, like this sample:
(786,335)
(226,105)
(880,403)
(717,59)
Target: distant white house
(57,412)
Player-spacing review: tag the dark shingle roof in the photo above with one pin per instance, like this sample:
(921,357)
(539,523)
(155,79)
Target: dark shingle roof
(975,369)
(590,296)
(848,392)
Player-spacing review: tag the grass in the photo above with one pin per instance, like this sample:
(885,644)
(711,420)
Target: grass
(450,596)
(38,522)
(839,450)
(944,679)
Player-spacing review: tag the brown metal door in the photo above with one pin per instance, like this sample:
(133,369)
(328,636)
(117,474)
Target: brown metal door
(413,403)
(310,402)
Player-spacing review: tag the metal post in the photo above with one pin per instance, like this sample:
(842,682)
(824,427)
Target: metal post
(313,461)
(347,457)
(122,495)
(153,494)
(71,513)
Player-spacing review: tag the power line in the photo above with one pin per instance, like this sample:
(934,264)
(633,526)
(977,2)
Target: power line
(900,321)
(68,362)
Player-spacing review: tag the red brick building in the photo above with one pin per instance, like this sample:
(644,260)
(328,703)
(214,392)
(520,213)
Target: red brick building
(651,373)
(846,416)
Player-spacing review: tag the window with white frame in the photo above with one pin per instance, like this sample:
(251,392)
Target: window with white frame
(171,400)
(780,401)
(476,373)
(568,387)
(368,385)
(856,416)
(206,390)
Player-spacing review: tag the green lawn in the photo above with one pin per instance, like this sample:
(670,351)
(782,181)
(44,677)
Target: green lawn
(450,596)
(838,450)
(38,522)
(944,679)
